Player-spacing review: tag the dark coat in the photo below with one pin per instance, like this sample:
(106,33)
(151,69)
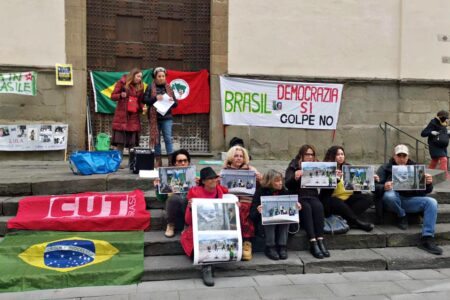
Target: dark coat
(149,100)
(294,185)
(254,213)
(124,120)
(385,174)
(437,144)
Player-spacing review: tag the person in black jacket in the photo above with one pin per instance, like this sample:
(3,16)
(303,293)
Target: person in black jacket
(276,235)
(312,214)
(403,202)
(348,204)
(438,138)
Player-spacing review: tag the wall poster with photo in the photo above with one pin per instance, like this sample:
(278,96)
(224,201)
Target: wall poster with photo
(279,209)
(408,177)
(319,175)
(358,178)
(176,179)
(33,137)
(239,182)
(217,230)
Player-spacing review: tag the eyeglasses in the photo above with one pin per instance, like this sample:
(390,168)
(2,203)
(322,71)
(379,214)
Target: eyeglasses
(180,161)
(309,154)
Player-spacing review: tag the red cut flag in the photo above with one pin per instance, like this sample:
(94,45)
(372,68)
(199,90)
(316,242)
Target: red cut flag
(120,211)
(192,91)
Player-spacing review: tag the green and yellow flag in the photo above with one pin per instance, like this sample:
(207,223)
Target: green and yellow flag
(103,84)
(49,260)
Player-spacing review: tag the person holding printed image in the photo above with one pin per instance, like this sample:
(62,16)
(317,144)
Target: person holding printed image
(208,187)
(312,214)
(275,235)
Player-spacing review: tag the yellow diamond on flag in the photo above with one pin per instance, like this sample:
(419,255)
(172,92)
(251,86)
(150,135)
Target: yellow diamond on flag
(108,91)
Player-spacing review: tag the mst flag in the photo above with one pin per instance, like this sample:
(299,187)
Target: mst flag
(192,91)
(119,211)
(50,260)
(103,84)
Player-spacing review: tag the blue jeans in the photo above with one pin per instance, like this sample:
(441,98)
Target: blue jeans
(401,205)
(165,129)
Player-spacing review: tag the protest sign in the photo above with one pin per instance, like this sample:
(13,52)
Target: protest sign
(319,175)
(18,83)
(279,209)
(266,103)
(33,137)
(408,177)
(176,179)
(239,182)
(358,178)
(64,74)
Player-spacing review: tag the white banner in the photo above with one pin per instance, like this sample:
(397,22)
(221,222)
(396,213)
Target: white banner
(280,103)
(33,137)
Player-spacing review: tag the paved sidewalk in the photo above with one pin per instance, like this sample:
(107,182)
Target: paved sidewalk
(396,285)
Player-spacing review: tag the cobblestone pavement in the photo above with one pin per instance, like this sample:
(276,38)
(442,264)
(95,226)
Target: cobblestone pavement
(396,285)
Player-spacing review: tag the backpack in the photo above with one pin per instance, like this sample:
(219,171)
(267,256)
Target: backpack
(103,142)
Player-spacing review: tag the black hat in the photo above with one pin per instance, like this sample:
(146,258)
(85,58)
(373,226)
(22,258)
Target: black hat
(207,173)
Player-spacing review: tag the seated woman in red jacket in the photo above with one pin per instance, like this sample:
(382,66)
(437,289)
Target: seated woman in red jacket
(208,188)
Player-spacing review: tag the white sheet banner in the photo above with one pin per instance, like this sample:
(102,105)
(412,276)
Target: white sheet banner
(33,137)
(280,103)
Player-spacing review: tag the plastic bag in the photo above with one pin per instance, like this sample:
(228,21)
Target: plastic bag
(96,162)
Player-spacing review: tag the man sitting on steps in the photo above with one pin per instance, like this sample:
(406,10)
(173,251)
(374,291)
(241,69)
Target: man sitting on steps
(403,202)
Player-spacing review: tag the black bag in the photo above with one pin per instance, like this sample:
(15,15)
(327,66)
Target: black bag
(141,159)
(335,225)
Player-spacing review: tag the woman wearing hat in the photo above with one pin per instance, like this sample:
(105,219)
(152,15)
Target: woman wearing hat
(160,123)
(208,188)
(438,139)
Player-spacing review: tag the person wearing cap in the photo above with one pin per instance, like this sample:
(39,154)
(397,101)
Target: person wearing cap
(438,138)
(208,187)
(160,123)
(403,202)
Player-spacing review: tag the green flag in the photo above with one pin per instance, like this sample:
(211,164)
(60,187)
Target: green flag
(48,260)
(103,84)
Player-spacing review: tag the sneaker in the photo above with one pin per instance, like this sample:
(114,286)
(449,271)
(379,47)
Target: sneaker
(428,244)
(403,223)
(207,276)
(282,251)
(271,253)
(247,251)
(170,230)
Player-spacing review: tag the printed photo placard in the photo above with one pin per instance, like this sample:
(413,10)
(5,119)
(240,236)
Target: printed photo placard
(176,179)
(239,182)
(319,175)
(216,228)
(408,177)
(279,209)
(358,178)
(33,137)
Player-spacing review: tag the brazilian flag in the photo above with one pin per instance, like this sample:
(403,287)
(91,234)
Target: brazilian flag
(103,84)
(49,260)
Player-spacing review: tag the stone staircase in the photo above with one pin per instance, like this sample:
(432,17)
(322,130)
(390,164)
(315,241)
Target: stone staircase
(386,247)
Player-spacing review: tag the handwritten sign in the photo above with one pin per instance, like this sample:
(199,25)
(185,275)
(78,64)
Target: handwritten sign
(18,83)
(280,103)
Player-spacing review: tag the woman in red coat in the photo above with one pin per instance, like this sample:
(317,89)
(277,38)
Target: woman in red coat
(126,126)
(208,188)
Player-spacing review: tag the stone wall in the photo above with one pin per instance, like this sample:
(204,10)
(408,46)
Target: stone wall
(64,104)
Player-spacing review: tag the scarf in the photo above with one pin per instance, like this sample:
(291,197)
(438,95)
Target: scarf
(153,115)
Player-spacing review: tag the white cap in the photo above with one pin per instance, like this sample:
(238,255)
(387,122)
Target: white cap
(401,149)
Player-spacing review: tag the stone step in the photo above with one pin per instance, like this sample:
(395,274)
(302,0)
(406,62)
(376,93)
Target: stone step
(301,262)
(382,236)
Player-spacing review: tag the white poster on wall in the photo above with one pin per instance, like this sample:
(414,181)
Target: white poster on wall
(280,103)
(33,137)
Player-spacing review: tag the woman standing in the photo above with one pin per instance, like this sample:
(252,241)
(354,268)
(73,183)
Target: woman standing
(438,138)
(160,123)
(208,188)
(238,159)
(347,204)
(311,215)
(126,126)
(276,236)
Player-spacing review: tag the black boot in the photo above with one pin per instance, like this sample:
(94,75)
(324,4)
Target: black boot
(315,250)
(322,248)
(207,275)
(358,224)
(282,251)
(272,253)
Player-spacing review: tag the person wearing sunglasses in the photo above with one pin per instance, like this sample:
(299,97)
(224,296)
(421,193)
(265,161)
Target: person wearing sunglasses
(312,213)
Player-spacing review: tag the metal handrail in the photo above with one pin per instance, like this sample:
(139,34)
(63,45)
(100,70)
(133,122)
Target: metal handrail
(384,129)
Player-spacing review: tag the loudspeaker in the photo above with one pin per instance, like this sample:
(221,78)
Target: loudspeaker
(141,159)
